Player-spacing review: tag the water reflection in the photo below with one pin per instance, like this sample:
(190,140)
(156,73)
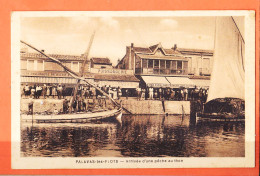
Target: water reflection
(136,136)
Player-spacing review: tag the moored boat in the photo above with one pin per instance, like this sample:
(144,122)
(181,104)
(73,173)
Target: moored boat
(74,118)
(226,97)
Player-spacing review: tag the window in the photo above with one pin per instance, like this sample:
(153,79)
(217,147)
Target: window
(174,65)
(35,65)
(168,64)
(75,66)
(162,64)
(40,65)
(156,63)
(150,63)
(144,63)
(30,65)
(179,65)
(206,63)
(185,65)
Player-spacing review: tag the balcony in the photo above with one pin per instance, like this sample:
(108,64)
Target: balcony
(156,71)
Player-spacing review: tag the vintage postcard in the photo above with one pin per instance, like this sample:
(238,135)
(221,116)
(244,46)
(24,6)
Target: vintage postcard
(154,89)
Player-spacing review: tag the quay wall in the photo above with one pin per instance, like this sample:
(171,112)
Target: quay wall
(156,107)
(134,106)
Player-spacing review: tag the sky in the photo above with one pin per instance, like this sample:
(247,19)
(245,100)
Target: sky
(71,35)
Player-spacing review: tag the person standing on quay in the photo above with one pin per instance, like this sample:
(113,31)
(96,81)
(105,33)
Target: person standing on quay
(44,91)
(48,93)
(185,92)
(155,94)
(63,91)
(65,106)
(33,91)
(26,90)
(143,94)
(150,93)
(160,93)
(59,90)
(138,90)
(54,91)
(126,93)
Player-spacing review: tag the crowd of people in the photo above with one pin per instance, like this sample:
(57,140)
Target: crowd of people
(87,97)
(87,92)
(46,91)
(180,94)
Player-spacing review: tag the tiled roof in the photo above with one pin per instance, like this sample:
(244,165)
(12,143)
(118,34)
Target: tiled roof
(142,50)
(101,60)
(152,48)
(113,77)
(57,56)
(171,51)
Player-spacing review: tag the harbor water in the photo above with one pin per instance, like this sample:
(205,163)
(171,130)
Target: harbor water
(134,136)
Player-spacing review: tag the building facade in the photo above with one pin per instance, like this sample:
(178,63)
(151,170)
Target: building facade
(38,69)
(174,67)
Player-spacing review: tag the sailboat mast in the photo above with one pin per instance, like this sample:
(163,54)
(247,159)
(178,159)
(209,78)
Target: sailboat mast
(85,56)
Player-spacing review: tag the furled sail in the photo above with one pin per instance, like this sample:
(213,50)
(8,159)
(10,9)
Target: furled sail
(228,74)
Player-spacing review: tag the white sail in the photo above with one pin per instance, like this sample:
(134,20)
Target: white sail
(228,75)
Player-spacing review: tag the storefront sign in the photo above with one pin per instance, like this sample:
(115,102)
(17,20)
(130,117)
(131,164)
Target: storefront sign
(46,73)
(121,84)
(112,71)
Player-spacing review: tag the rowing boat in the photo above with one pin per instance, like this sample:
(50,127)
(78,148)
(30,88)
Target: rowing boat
(73,118)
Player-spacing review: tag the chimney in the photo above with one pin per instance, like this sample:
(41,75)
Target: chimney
(175,47)
(132,45)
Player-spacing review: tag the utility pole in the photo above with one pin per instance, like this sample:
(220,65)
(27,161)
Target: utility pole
(85,56)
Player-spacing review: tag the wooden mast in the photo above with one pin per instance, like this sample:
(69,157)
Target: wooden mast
(75,75)
(85,56)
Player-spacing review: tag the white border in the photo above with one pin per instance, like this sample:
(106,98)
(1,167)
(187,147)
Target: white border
(192,162)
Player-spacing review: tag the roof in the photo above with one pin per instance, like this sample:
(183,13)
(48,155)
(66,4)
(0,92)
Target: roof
(152,48)
(142,50)
(171,51)
(129,78)
(101,60)
(56,56)
(185,50)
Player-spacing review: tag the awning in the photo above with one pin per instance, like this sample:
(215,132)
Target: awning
(177,82)
(156,81)
(52,80)
(201,82)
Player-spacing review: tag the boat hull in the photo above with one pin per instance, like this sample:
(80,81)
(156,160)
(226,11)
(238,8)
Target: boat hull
(220,117)
(73,118)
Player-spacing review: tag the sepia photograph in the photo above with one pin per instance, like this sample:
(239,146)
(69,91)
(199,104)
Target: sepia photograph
(133,89)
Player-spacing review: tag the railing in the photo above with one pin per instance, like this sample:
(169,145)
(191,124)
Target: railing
(156,71)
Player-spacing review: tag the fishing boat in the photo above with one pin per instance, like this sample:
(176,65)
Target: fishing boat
(74,118)
(226,96)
